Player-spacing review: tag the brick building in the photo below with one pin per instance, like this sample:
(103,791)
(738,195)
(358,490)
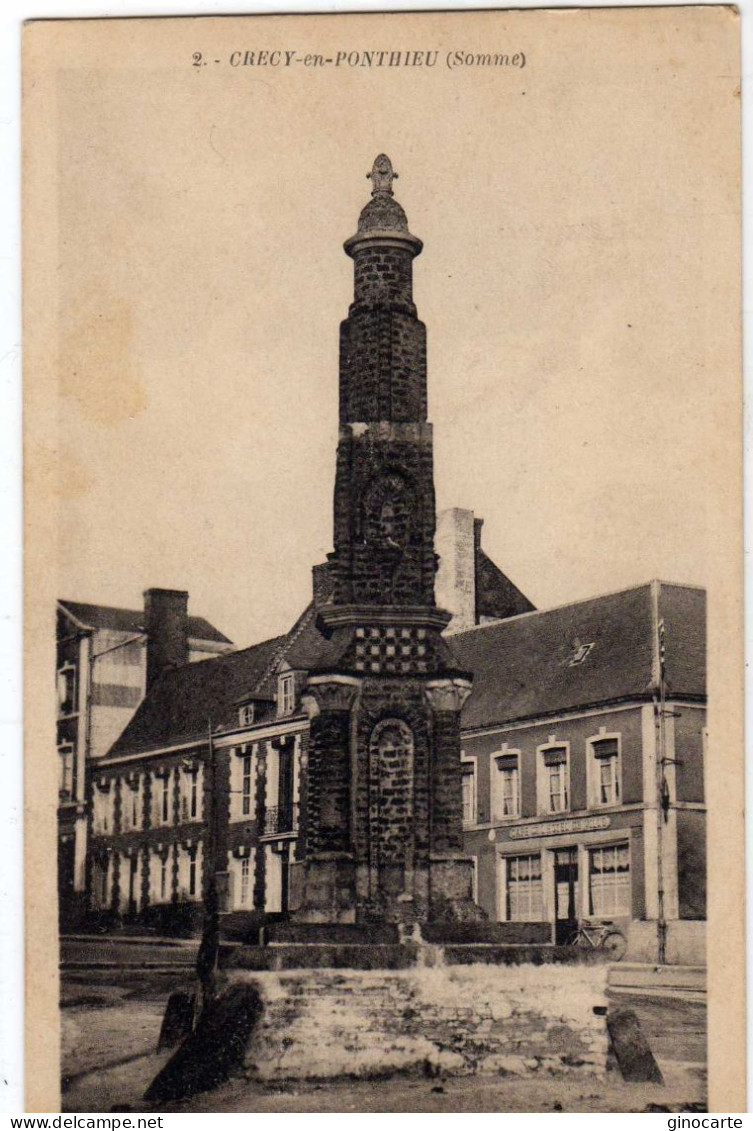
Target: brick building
(583,761)
(102,676)
(347,771)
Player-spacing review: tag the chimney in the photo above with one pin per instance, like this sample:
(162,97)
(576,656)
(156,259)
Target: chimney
(323,584)
(456,539)
(166,626)
(478,525)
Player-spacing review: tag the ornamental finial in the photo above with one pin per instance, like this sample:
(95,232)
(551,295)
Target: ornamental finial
(382,175)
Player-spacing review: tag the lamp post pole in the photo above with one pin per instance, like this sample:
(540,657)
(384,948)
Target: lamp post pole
(206,961)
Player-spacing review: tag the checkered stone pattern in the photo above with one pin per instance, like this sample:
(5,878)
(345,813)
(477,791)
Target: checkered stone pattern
(394,650)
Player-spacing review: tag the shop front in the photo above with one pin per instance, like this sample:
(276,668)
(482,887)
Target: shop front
(565,871)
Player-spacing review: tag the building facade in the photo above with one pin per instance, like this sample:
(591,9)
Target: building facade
(101,680)
(583,761)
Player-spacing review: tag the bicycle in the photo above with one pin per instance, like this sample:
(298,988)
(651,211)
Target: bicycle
(600,936)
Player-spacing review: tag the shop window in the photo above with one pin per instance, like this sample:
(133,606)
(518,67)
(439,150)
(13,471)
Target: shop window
(524,889)
(609,881)
(554,779)
(605,771)
(469,792)
(505,786)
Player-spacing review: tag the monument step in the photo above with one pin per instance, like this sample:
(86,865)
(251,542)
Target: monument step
(309,956)
(510,934)
(349,934)
(374,956)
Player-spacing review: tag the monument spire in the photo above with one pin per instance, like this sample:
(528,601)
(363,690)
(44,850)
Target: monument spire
(384,817)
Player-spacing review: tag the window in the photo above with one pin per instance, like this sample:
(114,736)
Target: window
(190,791)
(133,874)
(246,788)
(243,782)
(135,805)
(505,786)
(66,770)
(162,801)
(100,882)
(67,689)
(246,715)
(469,793)
(189,870)
(554,784)
(524,889)
(131,804)
(605,771)
(241,868)
(287,694)
(102,804)
(245,880)
(160,876)
(609,881)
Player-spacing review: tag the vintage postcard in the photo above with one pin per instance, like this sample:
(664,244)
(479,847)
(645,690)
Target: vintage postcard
(384,563)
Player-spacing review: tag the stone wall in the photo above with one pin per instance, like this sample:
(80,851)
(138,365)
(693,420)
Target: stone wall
(450,1019)
(685,945)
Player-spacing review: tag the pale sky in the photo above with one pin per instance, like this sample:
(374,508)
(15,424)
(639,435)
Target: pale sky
(577,217)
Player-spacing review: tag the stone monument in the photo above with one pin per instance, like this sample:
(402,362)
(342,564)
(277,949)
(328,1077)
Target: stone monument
(384,803)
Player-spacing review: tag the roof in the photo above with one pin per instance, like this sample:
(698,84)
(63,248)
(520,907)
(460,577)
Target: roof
(496,595)
(132,620)
(183,701)
(523,667)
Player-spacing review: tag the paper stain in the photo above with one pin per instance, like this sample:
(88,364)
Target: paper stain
(57,473)
(96,361)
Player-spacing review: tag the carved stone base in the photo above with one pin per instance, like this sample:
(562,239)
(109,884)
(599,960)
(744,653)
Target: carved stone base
(451,891)
(325,892)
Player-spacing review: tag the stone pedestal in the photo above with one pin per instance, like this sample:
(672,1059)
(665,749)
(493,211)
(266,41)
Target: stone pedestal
(325,889)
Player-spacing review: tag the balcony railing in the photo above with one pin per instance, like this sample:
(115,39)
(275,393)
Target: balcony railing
(280,819)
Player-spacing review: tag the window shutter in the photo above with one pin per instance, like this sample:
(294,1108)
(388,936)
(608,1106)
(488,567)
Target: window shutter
(607,748)
(556,757)
(507,762)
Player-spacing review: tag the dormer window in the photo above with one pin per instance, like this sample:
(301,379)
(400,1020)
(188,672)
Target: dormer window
(580,655)
(286,694)
(246,715)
